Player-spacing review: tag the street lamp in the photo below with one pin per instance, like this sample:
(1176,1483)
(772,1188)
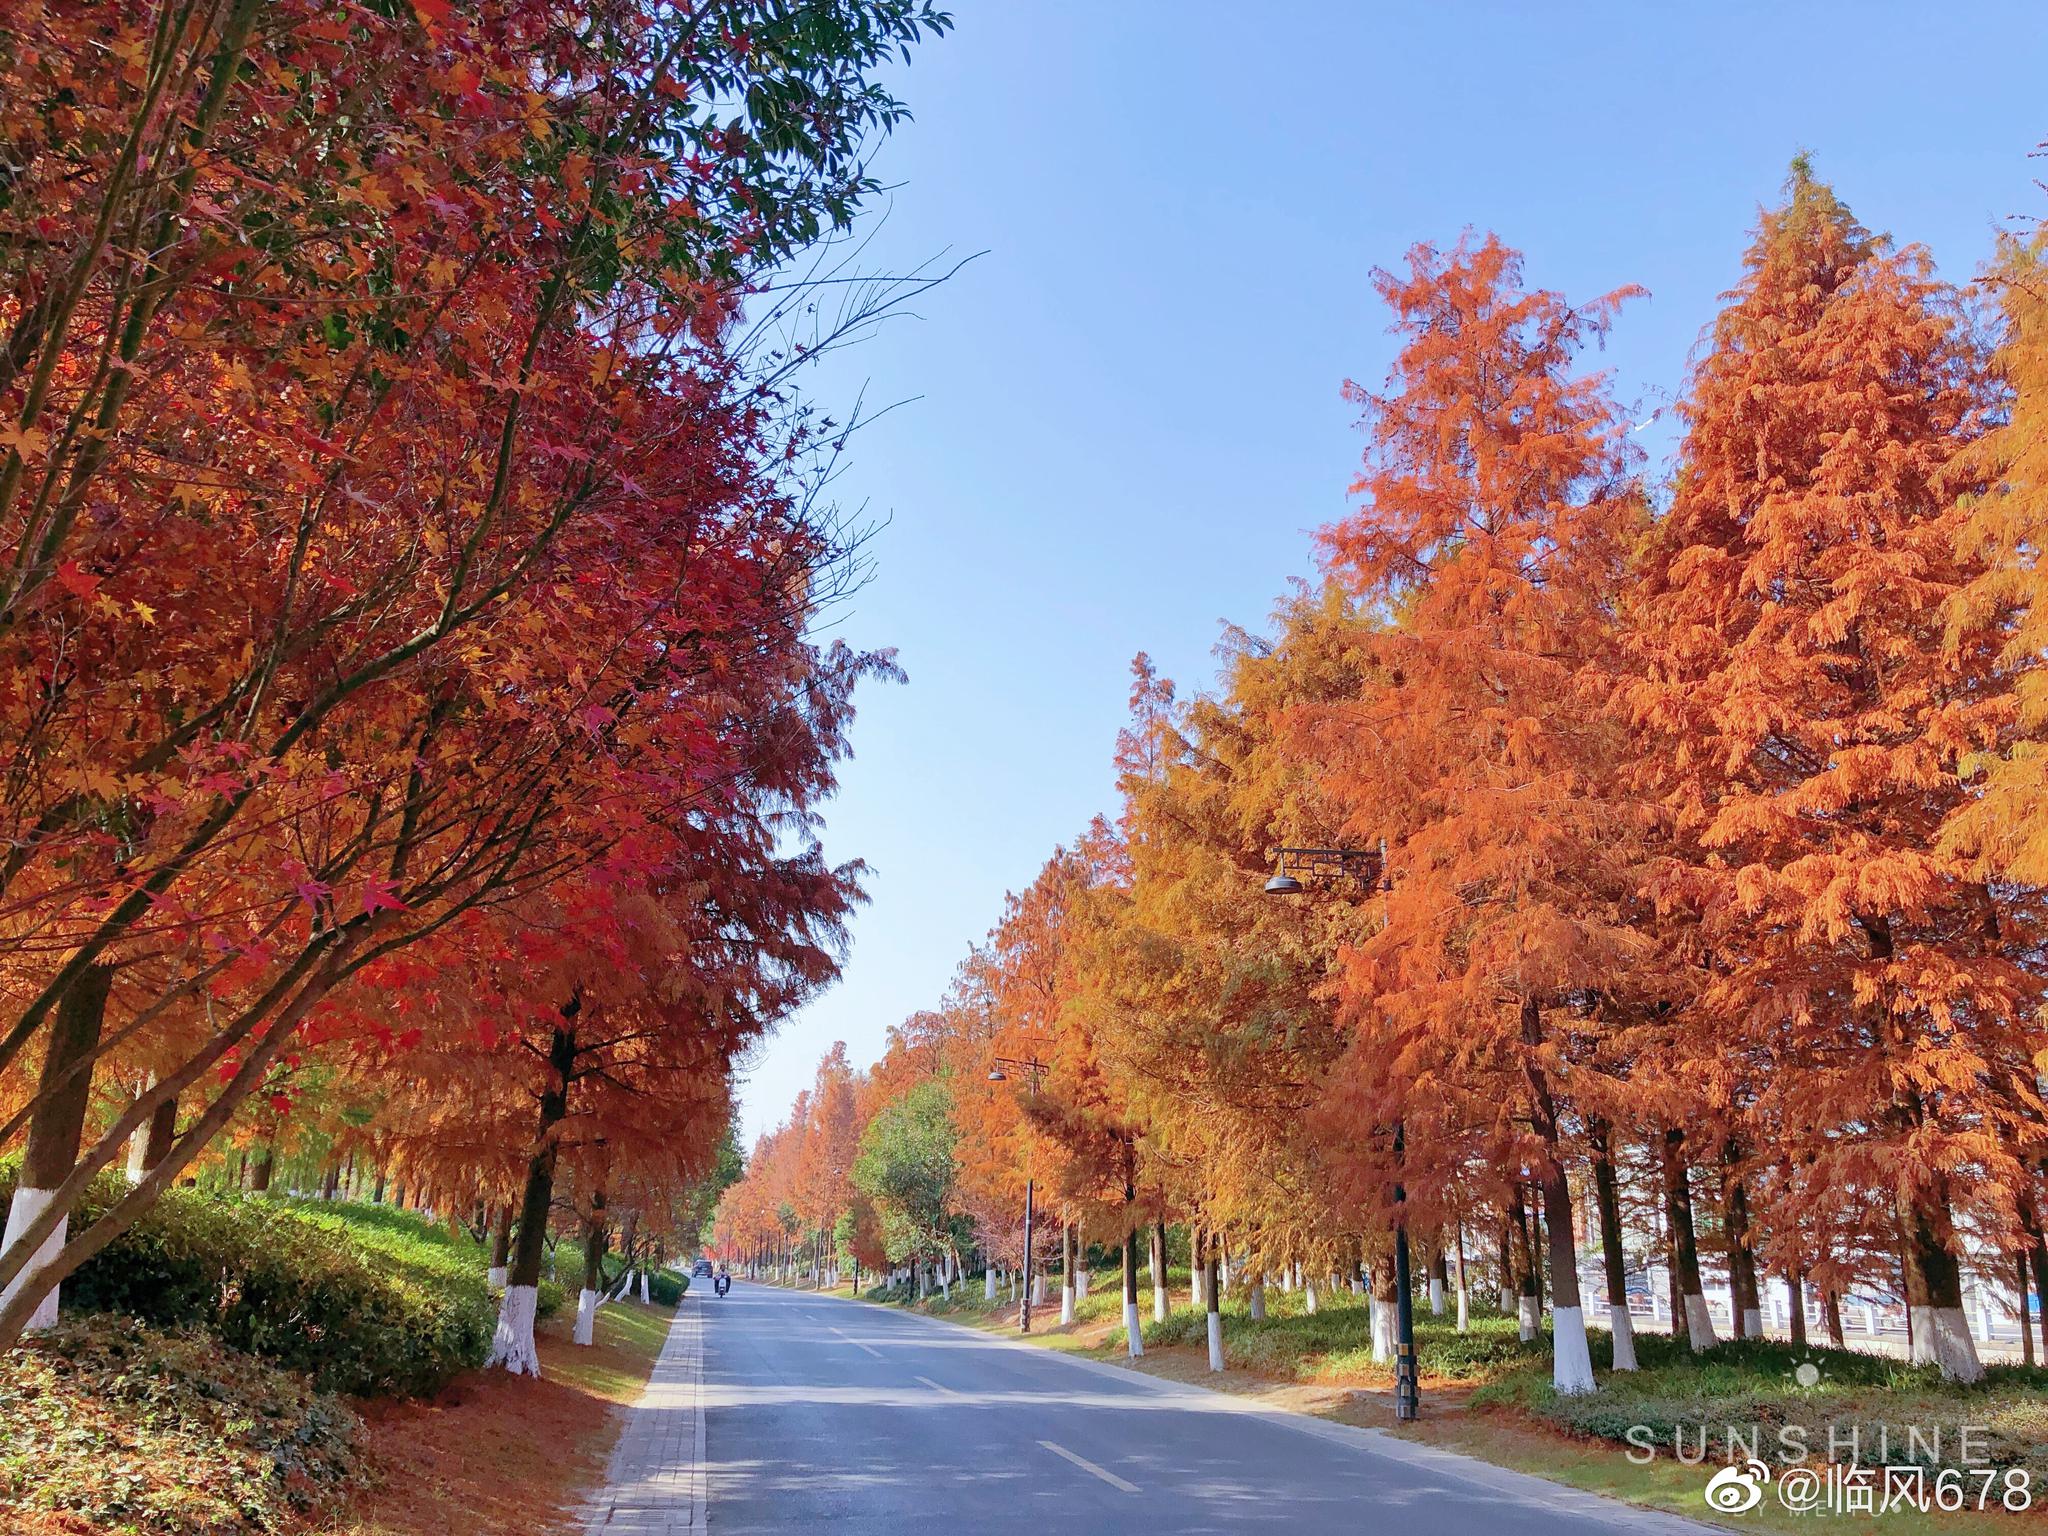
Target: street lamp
(1037,1070)
(1366,869)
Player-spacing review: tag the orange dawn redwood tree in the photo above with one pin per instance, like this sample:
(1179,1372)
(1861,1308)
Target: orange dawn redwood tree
(1811,722)
(1497,504)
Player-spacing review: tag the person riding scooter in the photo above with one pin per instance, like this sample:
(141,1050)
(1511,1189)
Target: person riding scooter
(724,1281)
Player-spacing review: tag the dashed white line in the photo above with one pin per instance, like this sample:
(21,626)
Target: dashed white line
(944,1391)
(1086,1465)
(856,1343)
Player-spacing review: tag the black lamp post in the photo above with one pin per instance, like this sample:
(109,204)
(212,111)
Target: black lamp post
(996,1074)
(1366,869)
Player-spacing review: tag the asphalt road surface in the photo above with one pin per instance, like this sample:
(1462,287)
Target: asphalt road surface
(828,1415)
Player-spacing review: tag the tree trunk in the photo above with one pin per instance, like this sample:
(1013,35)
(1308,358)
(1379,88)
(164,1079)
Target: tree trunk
(1798,1285)
(259,1182)
(1159,1304)
(377,1189)
(2040,1257)
(1382,1310)
(501,1249)
(1458,1274)
(1831,1309)
(596,1239)
(1744,1299)
(1571,1356)
(1214,1303)
(1066,1273)
(512,1345)
(1528,1308)
(2026,1331)
(1134,1333)
(1509,1289)
(1939,1333)
(1614,1264)
(55,1131)
(1685,1252)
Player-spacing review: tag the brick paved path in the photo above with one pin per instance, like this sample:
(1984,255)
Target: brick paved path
(655,1485)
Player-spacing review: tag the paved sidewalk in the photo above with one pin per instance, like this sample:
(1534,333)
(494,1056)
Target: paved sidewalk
(655,1484)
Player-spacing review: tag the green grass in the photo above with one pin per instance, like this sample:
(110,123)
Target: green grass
(1289,1344)
(628,1340)
(1751,1384)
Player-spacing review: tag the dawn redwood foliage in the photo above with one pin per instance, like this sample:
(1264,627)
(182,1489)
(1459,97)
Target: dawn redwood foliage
(1495,509)
(407,561)
(1697,922)
(1813,717)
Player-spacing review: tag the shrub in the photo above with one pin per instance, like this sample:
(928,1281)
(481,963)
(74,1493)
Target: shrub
(665,1287)
(407,1241)
(304,1293)
(132,1429)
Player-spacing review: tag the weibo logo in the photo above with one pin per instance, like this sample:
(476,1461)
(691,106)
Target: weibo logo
(1736,1490)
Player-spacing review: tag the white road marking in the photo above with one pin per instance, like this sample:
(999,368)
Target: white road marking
(856,1343)
(946,1391)
(1088,1466)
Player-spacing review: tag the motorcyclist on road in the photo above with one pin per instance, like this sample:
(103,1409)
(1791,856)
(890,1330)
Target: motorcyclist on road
(723,1282)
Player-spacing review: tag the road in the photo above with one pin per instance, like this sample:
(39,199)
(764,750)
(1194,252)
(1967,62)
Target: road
(823,1414)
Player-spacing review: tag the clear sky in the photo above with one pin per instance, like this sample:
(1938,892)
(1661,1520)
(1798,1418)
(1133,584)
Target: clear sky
(1127,415)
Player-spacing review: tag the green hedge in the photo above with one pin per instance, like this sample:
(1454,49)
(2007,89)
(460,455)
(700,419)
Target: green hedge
(108,1421)
(406,1240)
(307,1292)
(665,1287)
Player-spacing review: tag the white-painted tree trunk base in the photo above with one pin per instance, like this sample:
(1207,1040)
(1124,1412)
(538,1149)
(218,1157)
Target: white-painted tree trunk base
(1066,1304)
(586,1317)
(1507,1298)
(1941,1338)
(1571,1360)
(646,1294)
(1159,1304)
(1134,1336)
(1752,1322)
(1699,1323)
(1308,1299)
(1464,1311)
(1382,1331)
(1258,1301)
(1215,1341)
(988,1285)
(1527,1310)
(1080,1283)
(1624,1329)
(512,1345)
(1436,1297)
(27,1206)
(494,1278)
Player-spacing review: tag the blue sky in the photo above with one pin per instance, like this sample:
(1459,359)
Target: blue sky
(1127,417)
